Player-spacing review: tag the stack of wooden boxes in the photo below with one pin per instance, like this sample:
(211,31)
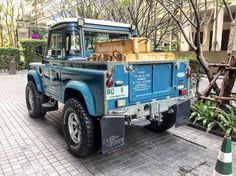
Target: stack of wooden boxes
(132,49)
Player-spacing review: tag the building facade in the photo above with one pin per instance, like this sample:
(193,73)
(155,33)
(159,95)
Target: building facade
(214,38)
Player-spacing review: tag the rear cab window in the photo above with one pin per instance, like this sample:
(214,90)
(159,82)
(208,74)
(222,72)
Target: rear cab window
(91,37)
(72,44)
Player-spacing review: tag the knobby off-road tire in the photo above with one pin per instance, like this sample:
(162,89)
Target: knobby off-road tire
(79,129)
(168,121)
(33,101)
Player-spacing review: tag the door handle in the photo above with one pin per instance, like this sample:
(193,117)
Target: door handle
(55,75)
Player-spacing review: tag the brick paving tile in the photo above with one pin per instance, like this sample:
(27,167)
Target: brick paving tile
(37,147)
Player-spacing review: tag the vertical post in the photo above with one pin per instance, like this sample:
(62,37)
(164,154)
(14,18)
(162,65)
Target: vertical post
(184,46)
(206,37)
(170,41)
(217,29)
(234,38)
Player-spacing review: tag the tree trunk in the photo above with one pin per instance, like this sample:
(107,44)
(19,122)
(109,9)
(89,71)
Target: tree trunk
(229,81)
(230,75)
(208,72)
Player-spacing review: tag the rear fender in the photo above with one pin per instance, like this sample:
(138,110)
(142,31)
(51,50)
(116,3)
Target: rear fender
(83,90)
(33,74)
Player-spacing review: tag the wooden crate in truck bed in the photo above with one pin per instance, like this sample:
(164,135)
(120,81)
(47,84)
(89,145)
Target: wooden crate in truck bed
(131,45)
(152,56)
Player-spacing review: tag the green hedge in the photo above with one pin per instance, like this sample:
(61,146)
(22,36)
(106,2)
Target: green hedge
(196,66)
(29,47)
(5,53)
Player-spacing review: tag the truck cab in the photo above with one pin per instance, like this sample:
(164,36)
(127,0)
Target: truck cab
(100,97)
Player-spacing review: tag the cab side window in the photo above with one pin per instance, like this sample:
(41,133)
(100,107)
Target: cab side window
(73,47)
(55,45)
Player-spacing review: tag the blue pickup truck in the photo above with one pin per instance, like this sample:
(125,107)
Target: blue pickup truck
(101,97)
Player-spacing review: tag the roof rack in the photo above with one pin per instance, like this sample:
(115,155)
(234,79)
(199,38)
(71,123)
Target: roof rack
(53,23)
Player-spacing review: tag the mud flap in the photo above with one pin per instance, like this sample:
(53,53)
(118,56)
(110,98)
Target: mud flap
(112,132)
(182,110)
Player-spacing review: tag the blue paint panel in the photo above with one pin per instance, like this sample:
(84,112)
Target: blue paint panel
(37,79)
(51,80)
(162,77)
(119,74)
(150,81)
(140,82)
(153,81)
(85,91)
(88,52)
(93,80)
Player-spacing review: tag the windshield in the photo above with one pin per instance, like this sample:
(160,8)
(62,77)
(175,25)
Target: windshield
(92,37)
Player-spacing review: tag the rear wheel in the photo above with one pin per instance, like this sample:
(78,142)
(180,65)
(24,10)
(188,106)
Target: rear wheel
(79,129)
(167,121)
(33,101)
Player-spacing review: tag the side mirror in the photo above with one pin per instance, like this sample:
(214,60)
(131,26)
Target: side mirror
(44,61)
(39,50)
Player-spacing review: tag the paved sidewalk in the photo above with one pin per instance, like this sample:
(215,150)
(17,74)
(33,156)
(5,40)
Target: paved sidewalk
(37,147)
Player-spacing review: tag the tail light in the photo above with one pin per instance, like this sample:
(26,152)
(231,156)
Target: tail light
(183,92)
(188,72)
(109,82)
(109,74)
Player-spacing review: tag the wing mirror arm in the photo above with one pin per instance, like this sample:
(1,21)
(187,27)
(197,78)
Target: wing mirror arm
(45,60)
(63,53)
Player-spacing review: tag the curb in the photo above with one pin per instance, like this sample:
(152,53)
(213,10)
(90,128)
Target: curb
(17,72)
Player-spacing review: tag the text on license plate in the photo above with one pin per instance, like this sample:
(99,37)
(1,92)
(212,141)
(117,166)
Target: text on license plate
(116,92)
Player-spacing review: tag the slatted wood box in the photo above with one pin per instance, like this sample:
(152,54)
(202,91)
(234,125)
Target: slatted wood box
(152,56)
(131,45)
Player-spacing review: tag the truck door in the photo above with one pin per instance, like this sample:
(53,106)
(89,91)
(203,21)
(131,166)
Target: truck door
(52,70)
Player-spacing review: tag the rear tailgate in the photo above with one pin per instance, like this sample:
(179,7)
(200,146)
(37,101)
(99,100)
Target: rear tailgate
(144,82)
(152,81)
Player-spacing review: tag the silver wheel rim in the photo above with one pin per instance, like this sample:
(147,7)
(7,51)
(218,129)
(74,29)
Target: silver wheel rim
(74,127)
(31,99)
(159,120)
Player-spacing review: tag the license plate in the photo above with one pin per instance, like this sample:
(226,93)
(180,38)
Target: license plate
(116,92)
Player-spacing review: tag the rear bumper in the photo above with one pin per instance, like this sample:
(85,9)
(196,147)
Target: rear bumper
(113,125)
(150,108)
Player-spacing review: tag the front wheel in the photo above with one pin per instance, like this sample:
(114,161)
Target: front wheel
(33,101)
(78,128)
(168,120)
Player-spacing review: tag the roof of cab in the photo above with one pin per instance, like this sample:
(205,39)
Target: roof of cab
(89,21)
